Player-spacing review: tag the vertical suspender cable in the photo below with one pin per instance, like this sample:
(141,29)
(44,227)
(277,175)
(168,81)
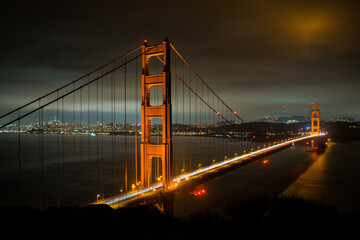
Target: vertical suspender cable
(63,146)
(207,119)
(88,122)
(196,116)
(214,125)
(190,136)
(112,131)
(136,118)
(41,155)
(223,146)
(73,138)
(195,124)
(202,111)
(183,118)
(97,136)
(102,133)
(125,127)
(176,121)
(219,132)
(57,150)
(19,161)
(81,138)
(109,129)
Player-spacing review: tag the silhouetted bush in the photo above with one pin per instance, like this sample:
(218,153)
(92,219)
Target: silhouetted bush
(289,217)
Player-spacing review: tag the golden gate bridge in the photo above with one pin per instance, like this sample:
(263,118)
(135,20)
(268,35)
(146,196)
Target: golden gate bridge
(144,123)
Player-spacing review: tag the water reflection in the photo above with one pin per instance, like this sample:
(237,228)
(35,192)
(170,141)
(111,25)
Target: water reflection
(333,178)
(265,161)
(199,192)
(309,184)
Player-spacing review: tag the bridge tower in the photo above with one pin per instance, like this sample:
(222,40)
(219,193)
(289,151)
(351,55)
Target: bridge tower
(148,149)
(315,119)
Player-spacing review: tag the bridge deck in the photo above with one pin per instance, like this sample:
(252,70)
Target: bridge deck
(132,196)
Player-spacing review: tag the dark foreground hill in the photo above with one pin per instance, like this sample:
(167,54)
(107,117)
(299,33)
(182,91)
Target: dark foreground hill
(259,218)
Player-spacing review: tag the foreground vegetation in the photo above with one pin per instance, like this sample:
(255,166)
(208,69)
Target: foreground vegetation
(265,217)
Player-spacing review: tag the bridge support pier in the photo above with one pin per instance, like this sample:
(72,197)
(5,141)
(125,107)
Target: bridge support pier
(148,149)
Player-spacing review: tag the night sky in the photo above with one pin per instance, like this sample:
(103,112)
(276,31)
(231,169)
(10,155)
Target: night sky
(258,56)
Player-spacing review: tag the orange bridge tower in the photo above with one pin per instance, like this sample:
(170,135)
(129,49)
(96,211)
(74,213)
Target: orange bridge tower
(315,119)
(150,151)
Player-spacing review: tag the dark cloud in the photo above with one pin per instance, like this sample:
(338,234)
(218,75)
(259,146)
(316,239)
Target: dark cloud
(258,55)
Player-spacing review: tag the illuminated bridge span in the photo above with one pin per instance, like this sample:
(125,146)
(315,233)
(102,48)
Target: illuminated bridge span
(133,196)
(143,123)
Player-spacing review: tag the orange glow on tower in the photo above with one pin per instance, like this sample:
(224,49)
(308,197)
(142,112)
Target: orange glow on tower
(315,119)
(150,150)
